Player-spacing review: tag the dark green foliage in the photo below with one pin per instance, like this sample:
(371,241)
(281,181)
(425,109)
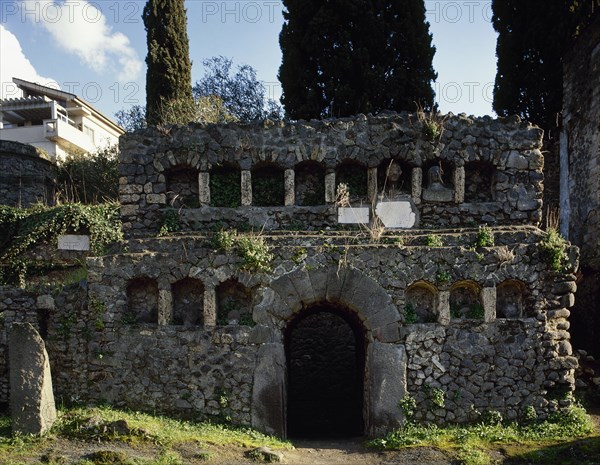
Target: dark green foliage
(22,230)
(225,188)
(243,95)
(90,178)
(533,35)
(267,187)
(169,73)
(355,177)
(344,57)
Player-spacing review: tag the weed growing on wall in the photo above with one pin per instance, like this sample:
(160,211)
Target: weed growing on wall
(23,230)
(554,250)
(485,237)
(252,248)
(433,240)
(171,223)
(410,315)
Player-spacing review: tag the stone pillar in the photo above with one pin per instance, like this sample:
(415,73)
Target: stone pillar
(210,306)
(488,300)
(459,184)
(31,398)
(165,307)
(289,178)
(417,183)
(204,188)
(269,390)
(387,370)
(246,179)
(443,307)
(330,187)
(372,184)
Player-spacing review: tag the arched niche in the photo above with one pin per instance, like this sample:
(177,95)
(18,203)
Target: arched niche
(182,186)
(225,186)
(465,301)
(354,175)
(394,179)
(310,183)
(268,188)
(234,303)
(510,299)
(142,300)
(438,181)
(480,179)
(188,302)
(421,303)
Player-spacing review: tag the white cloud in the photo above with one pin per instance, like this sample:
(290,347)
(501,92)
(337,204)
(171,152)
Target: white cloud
(80,28)
(14,63)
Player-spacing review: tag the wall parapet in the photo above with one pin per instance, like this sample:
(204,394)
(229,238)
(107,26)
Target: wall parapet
(480,170)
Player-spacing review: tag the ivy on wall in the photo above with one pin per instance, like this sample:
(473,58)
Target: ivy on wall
(23,229)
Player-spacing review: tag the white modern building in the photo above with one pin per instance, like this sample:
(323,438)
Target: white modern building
(58,122)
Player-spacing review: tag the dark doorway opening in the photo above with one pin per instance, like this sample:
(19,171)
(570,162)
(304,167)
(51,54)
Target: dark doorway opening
(325,351)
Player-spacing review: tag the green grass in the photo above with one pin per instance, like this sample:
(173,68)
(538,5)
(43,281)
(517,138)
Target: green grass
(471,444)
(157,432)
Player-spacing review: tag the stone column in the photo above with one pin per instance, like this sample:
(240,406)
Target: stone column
(417,184)
(210,306)
(372,184)
(269,390)
(330,187)
(246,179)
(488,300)
(204,188)
(289,180)
(459,184)
(165,307)
(443,307)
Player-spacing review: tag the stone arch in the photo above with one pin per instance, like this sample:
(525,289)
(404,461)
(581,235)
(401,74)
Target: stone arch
(182,186)
(466,300)
(325,354)
(310,183)
(480,181)
(510,299)
(421,303)
(142,300)
(188,302)
(385,359)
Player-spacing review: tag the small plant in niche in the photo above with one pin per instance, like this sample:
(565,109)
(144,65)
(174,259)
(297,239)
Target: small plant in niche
(408,405)
(476,312)
(410,314)
(442,276)
(436,396)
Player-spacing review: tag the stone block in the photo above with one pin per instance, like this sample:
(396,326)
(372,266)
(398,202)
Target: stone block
(210,306)
(204,188)
(353,215)
(45,302)
(488,299)
(416,184)
(246,181)
(31,398)
(156,198)
(330,193)
(268,390)
(289,184)
(388,386)
(459,184)
(396,214)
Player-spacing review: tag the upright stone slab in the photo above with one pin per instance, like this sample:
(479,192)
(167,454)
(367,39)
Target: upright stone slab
(268,390)
(31,397)
(388,386)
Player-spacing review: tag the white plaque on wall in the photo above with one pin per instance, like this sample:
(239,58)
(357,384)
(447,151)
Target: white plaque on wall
(396,214)
(353,215)
(73,242)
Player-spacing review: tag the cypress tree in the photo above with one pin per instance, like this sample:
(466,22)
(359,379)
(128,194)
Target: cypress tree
(532,36)
(169,73)
(342,57)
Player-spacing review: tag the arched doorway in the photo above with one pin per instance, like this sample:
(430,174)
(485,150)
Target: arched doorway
(325,355)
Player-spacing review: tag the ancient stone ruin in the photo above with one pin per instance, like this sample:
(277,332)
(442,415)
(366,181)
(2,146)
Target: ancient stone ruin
(325,310)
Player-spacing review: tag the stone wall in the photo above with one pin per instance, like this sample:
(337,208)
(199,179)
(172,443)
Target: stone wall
(580,166)
(491,172)
(102,350)
(27,175)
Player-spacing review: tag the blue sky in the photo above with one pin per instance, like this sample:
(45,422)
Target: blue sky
(96,49)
